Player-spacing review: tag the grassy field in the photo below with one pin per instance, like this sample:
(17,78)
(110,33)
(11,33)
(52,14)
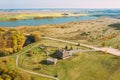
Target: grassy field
(92,32)
(24,76)
(81,66)
(11,64)
(58,44)
(115,42)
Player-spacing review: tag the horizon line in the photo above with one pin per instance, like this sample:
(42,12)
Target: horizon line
(59,8)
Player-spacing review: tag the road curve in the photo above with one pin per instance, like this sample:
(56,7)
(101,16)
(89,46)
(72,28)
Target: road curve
(109,50)
(31,72)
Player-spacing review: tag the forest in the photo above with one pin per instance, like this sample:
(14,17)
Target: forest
(11,41)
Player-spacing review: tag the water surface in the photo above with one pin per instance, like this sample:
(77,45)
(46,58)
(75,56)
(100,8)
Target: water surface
(36,22)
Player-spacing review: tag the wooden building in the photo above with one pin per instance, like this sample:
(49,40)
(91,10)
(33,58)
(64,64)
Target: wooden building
(63,54)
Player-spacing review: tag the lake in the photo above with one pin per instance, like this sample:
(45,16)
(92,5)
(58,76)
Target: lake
(36,22)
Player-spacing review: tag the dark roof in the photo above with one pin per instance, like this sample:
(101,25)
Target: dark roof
(63,53)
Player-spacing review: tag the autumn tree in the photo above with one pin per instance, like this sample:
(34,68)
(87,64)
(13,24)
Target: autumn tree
(30,53)
(66,47)
(36,36)
(11,41)
(39,67)
(103,44)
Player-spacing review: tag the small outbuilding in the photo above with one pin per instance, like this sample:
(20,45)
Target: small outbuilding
(51,60)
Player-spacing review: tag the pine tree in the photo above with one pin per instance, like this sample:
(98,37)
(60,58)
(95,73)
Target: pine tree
(71,48)
(66,47)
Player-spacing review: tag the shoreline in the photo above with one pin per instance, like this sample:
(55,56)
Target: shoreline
(39,15)
(66,23)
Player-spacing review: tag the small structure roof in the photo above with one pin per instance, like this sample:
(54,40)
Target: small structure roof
(51,60)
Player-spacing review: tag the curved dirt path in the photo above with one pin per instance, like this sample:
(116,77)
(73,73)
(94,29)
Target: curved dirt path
(31,72)
(109,50)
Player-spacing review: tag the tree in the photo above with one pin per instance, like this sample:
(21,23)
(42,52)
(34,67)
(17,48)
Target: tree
(3,69)
(8,51)
(30,53)
(78,44)
(15,49)
(5,60)
(39,67)
(11,41)
(36,36)
(71,48)
(117,46)
(103,44)
(1,78)
(8,74)
(105,51)
(56,75)
(66,47)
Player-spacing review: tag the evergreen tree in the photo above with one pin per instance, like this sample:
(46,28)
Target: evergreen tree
(66,47)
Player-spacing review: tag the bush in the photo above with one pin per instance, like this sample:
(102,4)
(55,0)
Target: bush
(103,44)
(30,53)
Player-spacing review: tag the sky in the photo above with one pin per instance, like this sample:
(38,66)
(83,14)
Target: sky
(14,4)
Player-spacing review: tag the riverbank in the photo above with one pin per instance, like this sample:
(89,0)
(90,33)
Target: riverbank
(39,15)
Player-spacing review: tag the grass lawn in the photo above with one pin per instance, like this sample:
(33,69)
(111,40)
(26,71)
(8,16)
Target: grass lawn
(115,42)
(34,77)
(81,66)
(58,44)
(11,64)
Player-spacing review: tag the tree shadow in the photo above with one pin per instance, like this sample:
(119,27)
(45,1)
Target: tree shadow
(2,54)
(44,62)
(36,69)
(54,55)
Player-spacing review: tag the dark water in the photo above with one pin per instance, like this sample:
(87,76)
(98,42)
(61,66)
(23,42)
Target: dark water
(37,22)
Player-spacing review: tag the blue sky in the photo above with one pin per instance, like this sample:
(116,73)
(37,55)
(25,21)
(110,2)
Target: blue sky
(8,4)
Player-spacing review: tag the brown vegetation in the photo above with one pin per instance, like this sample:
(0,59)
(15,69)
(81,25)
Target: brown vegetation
(13,19)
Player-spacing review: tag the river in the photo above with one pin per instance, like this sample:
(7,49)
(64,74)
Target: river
(36,22)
